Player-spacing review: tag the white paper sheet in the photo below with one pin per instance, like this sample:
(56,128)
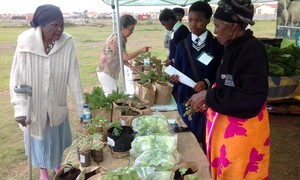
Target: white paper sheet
(182,78)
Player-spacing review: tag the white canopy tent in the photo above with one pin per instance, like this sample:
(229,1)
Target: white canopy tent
(115,7)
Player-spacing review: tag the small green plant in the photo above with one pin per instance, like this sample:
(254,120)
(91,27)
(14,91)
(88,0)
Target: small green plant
(97,143)
(182,171)
(84,143)
(142,56)
(122,173)
(97,99)
(192,177)
(162,78)
(114,95)
(146,78)
(68,167)
(117,127)
(96,124)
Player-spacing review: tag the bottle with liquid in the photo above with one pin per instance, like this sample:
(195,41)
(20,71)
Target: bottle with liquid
(86,115)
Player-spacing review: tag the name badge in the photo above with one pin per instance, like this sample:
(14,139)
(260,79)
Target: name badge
(205,58)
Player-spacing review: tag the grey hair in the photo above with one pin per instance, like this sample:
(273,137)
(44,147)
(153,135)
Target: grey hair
(127,20)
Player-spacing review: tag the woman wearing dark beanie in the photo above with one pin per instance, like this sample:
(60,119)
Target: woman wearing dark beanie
(238,132)
(45,59)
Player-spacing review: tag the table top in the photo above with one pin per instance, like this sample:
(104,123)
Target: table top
(187,146)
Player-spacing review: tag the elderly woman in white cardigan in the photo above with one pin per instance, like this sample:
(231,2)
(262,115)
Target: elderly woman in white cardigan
(45,59)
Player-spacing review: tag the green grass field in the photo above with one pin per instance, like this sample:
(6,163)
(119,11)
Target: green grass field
(89,42)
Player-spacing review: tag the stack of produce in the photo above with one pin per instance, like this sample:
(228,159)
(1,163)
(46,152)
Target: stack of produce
(154,147)
(284,61)
(284,71)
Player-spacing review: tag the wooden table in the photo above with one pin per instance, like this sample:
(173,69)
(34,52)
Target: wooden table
(187,146)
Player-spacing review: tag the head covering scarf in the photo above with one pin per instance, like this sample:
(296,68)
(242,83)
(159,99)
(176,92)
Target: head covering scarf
(45,14)
(236,11)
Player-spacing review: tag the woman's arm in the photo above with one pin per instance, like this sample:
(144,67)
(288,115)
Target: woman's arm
(129,56)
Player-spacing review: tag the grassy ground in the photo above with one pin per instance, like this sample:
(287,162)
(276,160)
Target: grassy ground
(89,41)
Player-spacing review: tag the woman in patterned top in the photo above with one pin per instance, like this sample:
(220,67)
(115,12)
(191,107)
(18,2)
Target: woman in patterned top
(237,130)
(109,65)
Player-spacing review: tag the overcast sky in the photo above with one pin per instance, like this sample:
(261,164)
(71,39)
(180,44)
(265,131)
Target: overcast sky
(29,6)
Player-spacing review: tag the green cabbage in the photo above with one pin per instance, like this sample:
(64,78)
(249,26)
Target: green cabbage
(141,144)
(159,159)
(149,124)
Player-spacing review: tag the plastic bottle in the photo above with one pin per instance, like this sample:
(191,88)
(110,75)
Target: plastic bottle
(86,115)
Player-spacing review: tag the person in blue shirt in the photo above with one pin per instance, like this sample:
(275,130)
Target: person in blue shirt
(205,52)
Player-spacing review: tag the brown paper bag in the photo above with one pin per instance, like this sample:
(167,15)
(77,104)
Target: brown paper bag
(145,109)
(104,113)
(147,93)
(163,93)
(125,115)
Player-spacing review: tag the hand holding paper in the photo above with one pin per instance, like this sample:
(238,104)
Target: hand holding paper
(182,77)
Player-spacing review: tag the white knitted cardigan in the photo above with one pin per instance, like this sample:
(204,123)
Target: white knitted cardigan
(49,76)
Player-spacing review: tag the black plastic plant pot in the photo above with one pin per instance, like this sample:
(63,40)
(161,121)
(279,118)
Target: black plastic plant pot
(71,175)
(122,142)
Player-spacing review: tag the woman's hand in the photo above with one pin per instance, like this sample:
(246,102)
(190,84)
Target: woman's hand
(199,86)
(167,62)
(197,102)
(133,69)
(174,78)
(21,120)
(145,49)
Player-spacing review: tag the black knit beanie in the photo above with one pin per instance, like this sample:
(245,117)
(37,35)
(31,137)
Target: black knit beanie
(45,14)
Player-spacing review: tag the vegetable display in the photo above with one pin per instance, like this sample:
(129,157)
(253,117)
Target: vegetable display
(159,159)
(150,124)
(283,61)
(141,144)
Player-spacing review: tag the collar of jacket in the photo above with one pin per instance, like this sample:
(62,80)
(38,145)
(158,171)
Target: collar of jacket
(31,41)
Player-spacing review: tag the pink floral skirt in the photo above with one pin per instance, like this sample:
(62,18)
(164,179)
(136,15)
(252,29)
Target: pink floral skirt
(238,148)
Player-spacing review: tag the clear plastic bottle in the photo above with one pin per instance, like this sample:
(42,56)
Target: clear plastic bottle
(86,115)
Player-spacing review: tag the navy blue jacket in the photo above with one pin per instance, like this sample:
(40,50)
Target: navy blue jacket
(181,33)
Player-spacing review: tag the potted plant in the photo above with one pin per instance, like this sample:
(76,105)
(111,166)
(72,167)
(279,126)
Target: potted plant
(120,137)
(98,125)
(118,104)
(99,103)
(125,173)
(69,171)
(186,171)
(146,90)
(144,108)
(163,89)
(97,147)
(126,114)
(84,145)
(156,64)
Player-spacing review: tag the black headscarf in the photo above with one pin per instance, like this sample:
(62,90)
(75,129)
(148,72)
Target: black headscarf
(45,14)
(237,11)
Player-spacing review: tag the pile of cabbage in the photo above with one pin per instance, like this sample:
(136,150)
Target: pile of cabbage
(154,148)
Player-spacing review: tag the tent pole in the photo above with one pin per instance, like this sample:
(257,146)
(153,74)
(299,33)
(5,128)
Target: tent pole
(120,45)
(113,16)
